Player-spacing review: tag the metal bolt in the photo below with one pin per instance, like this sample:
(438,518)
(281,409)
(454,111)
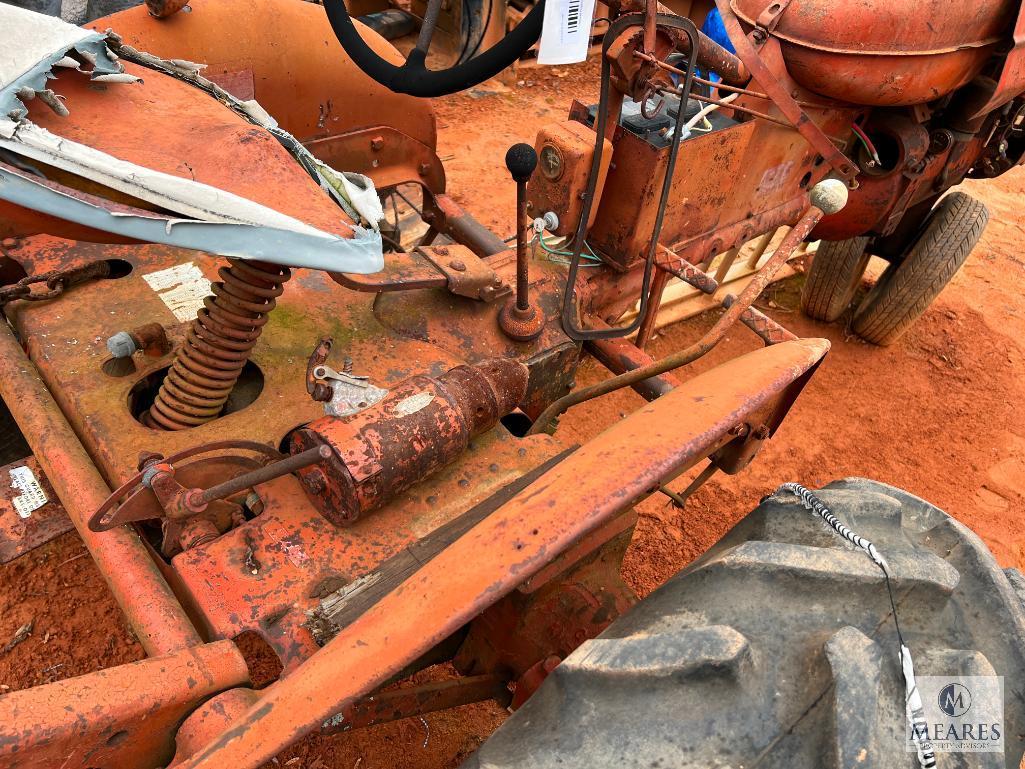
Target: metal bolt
(441,251)
(347,365)
(122,345)
(758,35)
(424,169)
(762,432)
(496,281)
(376,143)
(457,265)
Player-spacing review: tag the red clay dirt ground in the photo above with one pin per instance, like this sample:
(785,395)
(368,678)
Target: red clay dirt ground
(938,413)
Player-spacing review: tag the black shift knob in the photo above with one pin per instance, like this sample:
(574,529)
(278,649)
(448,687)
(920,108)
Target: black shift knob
(521,160)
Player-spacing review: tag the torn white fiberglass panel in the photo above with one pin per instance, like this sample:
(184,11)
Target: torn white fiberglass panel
(212,219)
(292,248)
(32,45)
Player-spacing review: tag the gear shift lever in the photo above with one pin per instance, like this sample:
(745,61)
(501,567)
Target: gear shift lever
(519,319)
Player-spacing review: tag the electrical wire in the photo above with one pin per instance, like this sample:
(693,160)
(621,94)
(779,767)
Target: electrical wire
(869,146)
(562,257)
(708,109)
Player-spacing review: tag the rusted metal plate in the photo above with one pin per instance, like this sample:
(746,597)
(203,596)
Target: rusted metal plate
(297,550)
(752,185)
(25,527)
(267,574)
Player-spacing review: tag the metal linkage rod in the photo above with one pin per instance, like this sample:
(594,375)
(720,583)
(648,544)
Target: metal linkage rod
(826,198)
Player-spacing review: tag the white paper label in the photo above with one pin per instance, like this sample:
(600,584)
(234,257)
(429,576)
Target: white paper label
(413,404)
(182,288)
(32,495)
(566,32)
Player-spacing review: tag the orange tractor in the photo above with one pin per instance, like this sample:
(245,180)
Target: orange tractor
(267,414)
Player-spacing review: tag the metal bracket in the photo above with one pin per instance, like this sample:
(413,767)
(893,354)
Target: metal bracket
(467,274)
(350,393)
(769,18)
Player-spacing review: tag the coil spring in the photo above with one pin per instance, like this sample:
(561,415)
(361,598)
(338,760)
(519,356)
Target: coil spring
(217,345)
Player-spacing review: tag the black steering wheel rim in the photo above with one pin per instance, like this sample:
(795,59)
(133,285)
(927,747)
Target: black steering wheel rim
(413,77)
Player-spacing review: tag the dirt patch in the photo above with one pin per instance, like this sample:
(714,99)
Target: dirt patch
(936,414)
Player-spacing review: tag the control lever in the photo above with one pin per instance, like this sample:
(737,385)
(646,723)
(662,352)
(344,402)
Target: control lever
(520,319)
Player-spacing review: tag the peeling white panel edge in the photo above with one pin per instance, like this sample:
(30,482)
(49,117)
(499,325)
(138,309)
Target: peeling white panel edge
(318,250)
(24,71)
(183,196)
(43,42)
(356,202)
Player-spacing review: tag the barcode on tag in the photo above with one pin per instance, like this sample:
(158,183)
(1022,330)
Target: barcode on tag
(32,496)
(573,16)
(566,33)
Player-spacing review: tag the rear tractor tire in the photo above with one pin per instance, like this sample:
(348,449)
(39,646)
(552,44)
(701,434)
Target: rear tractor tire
(777,649)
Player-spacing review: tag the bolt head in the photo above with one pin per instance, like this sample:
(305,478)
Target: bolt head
(424,169)
(376,143)
(121,345)
(458,265)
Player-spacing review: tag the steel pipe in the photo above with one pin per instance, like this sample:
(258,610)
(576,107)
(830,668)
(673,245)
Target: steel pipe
(153,612)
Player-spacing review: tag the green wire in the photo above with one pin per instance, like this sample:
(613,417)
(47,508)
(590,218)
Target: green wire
(552,252)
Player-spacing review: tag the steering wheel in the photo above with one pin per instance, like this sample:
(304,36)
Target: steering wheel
(413,77)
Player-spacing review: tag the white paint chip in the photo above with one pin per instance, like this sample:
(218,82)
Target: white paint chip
(32,496)
(182,288)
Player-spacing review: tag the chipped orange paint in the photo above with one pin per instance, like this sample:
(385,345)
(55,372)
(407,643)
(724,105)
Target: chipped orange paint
(510,545)
(124,717)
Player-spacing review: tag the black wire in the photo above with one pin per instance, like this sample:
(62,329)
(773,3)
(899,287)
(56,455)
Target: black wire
(568,307)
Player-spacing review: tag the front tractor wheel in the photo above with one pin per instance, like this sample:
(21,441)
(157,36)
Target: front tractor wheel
(778,649)
(906,289)
(833,277)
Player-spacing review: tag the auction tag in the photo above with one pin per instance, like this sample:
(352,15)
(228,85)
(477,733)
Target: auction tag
(32,496)
(566,32)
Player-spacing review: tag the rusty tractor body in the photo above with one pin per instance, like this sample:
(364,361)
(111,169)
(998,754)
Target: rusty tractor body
(358,465)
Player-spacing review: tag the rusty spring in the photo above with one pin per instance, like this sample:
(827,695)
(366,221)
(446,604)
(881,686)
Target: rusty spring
(217,345)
